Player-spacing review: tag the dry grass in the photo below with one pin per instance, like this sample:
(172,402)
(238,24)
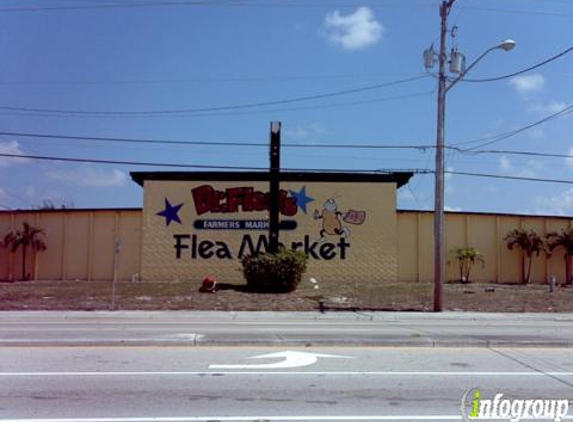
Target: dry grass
(81,295)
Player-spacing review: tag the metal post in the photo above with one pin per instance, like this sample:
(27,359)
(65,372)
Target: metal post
(115,272)
(439,243)
(274,176)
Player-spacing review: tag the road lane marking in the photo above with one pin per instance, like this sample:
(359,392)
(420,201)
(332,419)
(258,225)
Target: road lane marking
(328,323)
(292,359)
(249,419)
(307,373)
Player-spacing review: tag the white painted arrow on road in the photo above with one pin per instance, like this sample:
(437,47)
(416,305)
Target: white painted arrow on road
(291,360)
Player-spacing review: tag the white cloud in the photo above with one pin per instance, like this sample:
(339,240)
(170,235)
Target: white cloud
(569,160)
(306,131)
(30,191)
(452,209)
(528,83)
(529,169)
(354,31)
(560,204)
(537,133)
(505,164)
(11,147)
(550,108)
(405,195)
(89,176)
(448,180)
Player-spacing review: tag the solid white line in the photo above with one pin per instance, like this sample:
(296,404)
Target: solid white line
(248,418)
(333,373)
(327,323)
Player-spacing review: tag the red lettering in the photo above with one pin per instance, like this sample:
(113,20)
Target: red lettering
(203,197)
(242,199)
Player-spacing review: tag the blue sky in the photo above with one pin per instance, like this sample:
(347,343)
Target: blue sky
(162,56)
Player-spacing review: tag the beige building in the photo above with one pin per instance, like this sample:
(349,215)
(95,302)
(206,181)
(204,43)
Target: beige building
(197,224)
(194,224)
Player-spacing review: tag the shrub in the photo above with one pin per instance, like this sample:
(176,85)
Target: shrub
(466,258)
(530,243)
(274,273)
(28,237)
(563,239)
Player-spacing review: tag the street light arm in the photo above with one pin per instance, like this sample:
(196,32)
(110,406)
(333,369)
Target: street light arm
(466,71)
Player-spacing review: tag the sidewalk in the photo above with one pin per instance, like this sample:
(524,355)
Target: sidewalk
(294,329)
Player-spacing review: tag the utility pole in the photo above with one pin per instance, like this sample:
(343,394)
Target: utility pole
(439,243)
(274,176)
(457,66)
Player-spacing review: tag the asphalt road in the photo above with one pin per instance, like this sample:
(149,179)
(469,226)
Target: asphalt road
(292,329)
(141,384)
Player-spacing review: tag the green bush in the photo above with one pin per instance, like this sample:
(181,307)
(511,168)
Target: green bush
(274,273)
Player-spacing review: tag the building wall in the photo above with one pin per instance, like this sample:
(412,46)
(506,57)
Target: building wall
(482,231)
(368,253)
(81,244)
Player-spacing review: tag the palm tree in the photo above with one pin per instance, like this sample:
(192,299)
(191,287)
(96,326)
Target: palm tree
(530,243)
(29,236)
(466,258)
(563,239)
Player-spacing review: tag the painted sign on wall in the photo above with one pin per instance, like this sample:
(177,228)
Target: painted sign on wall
(195,228)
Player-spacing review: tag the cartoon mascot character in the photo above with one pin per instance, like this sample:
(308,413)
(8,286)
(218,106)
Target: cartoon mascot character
(332,220)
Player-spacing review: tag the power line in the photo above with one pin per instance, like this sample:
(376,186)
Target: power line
(173,165)
(520,11)
(215,108)
(199,3)
(265,169)
(206,80)
(19,198)
(113,6)
(234,113)
(500,137)
(520,72)
(129,163)
(500,176)
(213,143)
(5,207)
(512,152)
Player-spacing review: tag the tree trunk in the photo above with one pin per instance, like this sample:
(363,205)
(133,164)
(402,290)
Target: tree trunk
(568,270)
(24,278)
(529,263)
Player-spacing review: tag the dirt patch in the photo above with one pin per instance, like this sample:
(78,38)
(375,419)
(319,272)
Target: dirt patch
(334,296)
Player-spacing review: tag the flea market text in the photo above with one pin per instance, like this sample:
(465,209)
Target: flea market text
(192,247)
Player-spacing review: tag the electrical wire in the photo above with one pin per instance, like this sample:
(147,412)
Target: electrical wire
(19,198)
(520,72)
(215,108)
(207,80)
(199,3)
(511,152)
(209,143)
(235,113)
(500,137)
(507,177)
(519,11)
(134,5)
(266,169)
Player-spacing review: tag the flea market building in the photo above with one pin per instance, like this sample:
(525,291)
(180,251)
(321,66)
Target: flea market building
(194,224)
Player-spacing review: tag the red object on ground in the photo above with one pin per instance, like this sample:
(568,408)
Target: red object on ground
(209,285)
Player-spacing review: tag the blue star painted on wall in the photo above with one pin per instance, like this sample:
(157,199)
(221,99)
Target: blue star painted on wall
(170,213)
(301,199)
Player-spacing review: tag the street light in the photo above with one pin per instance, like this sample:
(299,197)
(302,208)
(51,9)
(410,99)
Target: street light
(457,66)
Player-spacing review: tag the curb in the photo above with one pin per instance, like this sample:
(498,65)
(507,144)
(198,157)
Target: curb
(208,343)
